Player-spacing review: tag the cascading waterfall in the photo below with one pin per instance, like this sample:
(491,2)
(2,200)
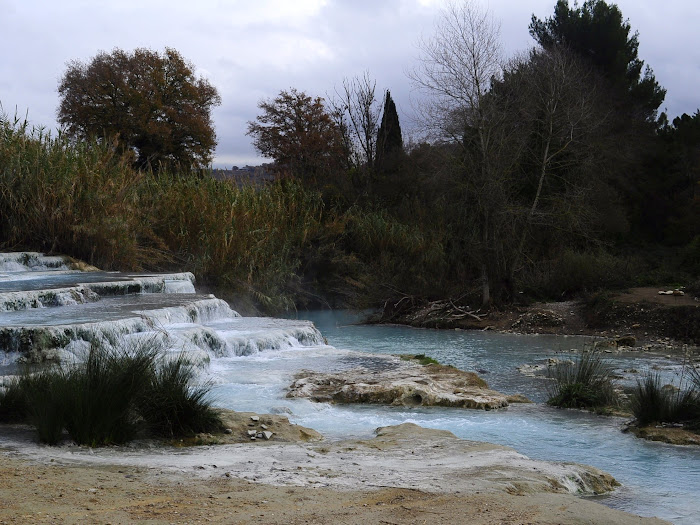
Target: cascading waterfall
(53,311)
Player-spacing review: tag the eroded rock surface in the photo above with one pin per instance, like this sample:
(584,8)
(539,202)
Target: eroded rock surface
(406,383)
(241,426)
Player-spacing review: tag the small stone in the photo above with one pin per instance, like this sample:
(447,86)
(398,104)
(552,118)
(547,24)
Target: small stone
(264,427)
(252,432)
(228,431)
(255,418)
(267,434)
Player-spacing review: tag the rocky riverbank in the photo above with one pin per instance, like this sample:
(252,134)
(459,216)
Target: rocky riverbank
(405,474)
(655,320)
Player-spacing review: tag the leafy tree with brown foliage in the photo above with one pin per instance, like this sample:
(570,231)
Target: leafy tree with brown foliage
(297,132)
(151,104)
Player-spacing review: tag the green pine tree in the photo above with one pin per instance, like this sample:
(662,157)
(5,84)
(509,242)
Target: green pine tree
(598,32)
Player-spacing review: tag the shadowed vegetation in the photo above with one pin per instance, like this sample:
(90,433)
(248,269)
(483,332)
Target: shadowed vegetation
(111,397)
(652,402)
(585,383)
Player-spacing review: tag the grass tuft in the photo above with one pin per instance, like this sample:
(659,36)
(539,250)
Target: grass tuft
(111,397)
(173,406)
(585,383)
(653,402)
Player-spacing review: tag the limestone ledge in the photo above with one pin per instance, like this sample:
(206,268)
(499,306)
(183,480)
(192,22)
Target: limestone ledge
(404,383)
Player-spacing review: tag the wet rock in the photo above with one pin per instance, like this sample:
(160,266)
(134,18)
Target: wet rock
(626,340)
(518,398)
(408,384)
(531,370)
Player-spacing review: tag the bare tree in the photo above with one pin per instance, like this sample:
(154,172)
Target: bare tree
(522,139)
(558,103)
(456,69)
(357,111)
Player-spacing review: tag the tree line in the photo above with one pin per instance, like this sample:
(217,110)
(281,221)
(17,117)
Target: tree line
(539,175)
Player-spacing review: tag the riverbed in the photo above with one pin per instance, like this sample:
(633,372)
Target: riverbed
(52,310)
(657,479)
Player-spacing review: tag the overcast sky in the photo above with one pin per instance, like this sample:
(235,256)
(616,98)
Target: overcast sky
(252,49)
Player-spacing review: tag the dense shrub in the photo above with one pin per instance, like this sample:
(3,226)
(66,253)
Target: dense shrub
(585,383)
(111,397)
(653,402)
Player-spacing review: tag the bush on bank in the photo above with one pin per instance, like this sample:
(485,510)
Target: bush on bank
(111,397)
(584,383)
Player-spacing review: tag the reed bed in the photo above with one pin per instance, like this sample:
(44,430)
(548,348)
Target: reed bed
(82,199)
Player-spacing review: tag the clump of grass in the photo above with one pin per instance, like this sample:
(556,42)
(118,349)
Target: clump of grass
(41,396)
(172,406)
(111,397)
(421,358)
(653,402)
(102,392)
(13,403)
(585,383)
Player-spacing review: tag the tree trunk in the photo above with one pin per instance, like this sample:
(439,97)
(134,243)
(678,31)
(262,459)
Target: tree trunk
(485,289)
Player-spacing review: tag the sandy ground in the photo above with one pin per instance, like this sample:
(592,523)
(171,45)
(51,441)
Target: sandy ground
(406,475)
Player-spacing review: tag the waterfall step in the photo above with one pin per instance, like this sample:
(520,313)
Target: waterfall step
(48,309)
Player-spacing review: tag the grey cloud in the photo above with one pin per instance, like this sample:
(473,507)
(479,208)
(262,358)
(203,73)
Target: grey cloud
(250,54)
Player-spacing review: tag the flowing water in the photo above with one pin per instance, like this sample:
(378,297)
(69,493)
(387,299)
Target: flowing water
(658,479)
(251,361)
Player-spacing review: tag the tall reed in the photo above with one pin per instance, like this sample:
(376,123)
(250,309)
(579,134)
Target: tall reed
(78,198)
(82,199)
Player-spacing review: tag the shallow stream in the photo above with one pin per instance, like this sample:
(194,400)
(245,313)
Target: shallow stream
(658,480)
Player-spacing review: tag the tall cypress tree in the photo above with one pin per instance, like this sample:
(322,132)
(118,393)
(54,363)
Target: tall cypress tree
(389,141)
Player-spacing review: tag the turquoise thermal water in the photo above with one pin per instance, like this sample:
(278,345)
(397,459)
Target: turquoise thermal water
(658,480)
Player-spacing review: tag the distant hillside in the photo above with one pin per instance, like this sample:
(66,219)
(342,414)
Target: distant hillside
(255,175)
